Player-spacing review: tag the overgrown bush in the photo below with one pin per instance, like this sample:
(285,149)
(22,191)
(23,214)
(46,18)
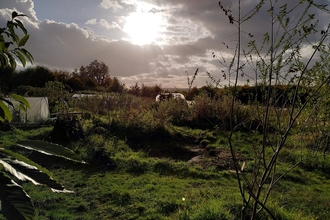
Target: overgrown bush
(67,128)
(215,111)
(172,111)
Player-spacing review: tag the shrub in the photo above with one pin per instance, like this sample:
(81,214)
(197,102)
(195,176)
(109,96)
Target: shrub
(175,111)
(215,111)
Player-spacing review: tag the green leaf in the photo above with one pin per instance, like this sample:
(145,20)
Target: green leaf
(20,24)
(20,57)
(7,45)
(5,113)
(20,99)
(3,60)
(27,54)
(11,60)
(23,41)
(12,33)
(14,14)
(27,172)
(15,203)
(2,46)
(50,149)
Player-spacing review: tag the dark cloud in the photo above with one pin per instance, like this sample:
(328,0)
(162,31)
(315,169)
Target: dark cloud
(80,33)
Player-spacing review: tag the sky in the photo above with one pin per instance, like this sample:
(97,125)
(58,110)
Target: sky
(150,42)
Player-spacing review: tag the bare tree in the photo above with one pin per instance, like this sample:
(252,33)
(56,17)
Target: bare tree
(276,60)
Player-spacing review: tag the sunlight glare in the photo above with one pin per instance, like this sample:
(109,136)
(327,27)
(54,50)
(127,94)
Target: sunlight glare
(144,27)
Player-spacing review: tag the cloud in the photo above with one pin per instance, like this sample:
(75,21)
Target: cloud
(192,30)
(92,21)
(22,6)
(111,4)
(102,23)
(68,46)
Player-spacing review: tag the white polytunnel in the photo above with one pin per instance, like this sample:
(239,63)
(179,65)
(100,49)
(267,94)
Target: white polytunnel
(37,114)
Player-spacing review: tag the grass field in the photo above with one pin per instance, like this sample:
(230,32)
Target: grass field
(142,168)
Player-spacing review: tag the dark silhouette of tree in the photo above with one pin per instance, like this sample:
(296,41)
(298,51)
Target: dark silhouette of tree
(194,91)
(135,90)
(146,91)
(41,76)
(97,72)
(116,86)
(61,76)
(34,76)
(6,79)
(156,90)
(150,91)
(210,91)
(75,84)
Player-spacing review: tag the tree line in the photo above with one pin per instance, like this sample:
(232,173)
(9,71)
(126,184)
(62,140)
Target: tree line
(95,77)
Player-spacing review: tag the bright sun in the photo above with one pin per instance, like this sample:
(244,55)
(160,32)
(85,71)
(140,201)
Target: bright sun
(144,27)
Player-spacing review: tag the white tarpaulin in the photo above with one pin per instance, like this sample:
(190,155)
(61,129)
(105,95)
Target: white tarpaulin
(167,96)
(37,114)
